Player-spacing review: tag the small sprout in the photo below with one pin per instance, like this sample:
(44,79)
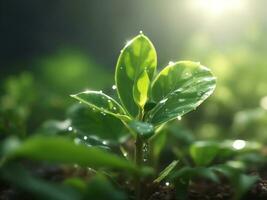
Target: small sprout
(147,102)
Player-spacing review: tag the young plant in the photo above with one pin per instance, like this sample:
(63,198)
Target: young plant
(147,100)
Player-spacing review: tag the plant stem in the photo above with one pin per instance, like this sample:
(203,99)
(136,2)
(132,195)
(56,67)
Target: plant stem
(138,162)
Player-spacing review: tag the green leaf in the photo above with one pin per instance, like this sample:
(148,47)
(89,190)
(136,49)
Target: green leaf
(243,183)
(93,122)
(239,181)
(138,60)
(141,88)
(99,101)
(100,188)
(178,89)
(145,130)
(166,171)
(188,173)
(203,152)
(62,150)
(41,189)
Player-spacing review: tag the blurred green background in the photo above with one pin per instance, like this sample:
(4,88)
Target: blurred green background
(50,49)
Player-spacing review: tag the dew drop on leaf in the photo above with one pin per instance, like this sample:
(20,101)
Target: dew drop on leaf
(70,128)
(179,118)
(77,141)
(85,137)
(114,87)
(163,100)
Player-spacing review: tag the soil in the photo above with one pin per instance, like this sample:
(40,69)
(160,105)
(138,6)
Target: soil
(198,190)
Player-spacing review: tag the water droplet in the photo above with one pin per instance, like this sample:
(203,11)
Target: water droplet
(103,113)
(179,118)
(114,87)
(163,100)
(70,128)
(93,109)
(125,154)
(100,91)
(109,100)
(85,137)
(128,43)
(239,144)
(170,63)
(145,152)
(104,142)
(167,183)
(77,141)
(141,32)
(114,108)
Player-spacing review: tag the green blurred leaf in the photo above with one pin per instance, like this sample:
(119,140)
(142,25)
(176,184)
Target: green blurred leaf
(203,152)
(187,173)
(243,183)
(76,182)
(179,88)
(93,122)
(54,127)
(99,101)
(239,181)
(41,189)
(101,189)
(163,174)
(62,150)
(137,56)
(145,130)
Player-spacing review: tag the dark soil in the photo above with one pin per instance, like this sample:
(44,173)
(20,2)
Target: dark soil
(198,190)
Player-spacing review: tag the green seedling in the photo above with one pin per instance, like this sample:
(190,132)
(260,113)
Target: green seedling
(147,100)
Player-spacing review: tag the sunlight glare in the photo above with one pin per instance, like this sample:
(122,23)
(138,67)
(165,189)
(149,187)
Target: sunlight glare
(239,144)
(218,7)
